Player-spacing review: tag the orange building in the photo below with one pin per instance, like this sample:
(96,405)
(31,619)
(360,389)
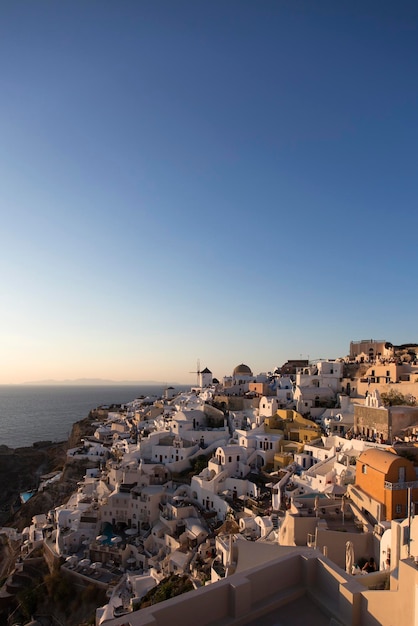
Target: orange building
(260,389)
(386,479)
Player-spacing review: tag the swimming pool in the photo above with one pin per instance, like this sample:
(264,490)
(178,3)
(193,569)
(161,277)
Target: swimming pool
(26,495)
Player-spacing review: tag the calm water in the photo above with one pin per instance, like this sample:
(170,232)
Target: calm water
(35,413)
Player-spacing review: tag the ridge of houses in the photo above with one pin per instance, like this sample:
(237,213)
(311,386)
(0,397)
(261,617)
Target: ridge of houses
(308,467)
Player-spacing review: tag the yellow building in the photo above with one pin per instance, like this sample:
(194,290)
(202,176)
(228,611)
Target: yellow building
(293,425)
(296,430)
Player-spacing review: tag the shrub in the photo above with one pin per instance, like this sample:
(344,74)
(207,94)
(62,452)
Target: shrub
(60,590)
(168,588)
(27,602)
(396,398)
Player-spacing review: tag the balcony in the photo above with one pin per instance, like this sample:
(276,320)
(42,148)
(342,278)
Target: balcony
(401,486)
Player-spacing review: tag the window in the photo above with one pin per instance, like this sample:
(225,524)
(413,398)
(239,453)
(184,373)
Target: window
(364,469)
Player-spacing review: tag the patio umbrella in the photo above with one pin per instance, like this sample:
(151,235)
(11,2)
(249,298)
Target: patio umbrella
(71,560)
(349,557)
(101,538)
(116,539)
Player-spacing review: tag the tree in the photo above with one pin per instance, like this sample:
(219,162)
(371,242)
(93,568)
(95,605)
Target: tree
(396,398)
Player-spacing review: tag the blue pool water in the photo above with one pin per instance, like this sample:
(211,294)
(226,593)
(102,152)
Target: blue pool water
(26,495)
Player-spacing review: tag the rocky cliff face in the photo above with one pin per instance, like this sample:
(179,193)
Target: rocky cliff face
(21,469)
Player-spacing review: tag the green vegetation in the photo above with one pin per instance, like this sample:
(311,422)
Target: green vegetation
(29,600)
(196,466)
(60,589)
(168,588)
(92,595)
(70,603)
(199,463)
(396,398)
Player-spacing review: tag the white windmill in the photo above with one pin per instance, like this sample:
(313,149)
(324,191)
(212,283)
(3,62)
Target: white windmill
(197,372)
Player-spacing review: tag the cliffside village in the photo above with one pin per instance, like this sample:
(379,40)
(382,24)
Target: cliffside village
(293,490)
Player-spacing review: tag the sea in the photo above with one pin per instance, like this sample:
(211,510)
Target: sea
(31,413)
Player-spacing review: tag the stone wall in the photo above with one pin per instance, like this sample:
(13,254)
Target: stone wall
(372,419)
(237,403)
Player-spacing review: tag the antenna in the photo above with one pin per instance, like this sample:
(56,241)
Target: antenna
(197,372)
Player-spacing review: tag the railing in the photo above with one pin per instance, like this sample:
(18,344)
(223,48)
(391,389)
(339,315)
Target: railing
(401,486)
(356,343)
(100,547)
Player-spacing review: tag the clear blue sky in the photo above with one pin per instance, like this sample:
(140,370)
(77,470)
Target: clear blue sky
(227,180)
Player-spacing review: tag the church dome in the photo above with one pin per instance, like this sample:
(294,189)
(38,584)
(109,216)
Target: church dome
(242,370)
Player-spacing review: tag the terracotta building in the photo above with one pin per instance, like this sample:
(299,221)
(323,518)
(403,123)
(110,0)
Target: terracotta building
(384,482)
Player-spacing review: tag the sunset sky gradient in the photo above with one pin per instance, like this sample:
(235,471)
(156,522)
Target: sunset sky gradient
(227,180)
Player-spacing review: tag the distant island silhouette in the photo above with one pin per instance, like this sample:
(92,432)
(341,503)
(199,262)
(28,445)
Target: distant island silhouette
(99,381)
